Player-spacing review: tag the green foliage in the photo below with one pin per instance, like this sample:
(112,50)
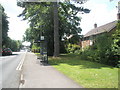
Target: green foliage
(106,49)
(116,45)
(5,24)
(15,45)
(91,55)
(35,48)
(7,42)
(73,48)
(86,73)
(41,17)
(103,45)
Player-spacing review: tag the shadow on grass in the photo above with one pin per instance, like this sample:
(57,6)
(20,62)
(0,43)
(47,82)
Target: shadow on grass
(74,60)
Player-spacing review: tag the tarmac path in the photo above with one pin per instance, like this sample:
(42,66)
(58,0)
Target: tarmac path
(36,75)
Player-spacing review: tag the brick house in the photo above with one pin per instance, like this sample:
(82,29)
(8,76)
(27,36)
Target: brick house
(90,36)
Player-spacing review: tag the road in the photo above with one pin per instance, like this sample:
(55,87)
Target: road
(10,77)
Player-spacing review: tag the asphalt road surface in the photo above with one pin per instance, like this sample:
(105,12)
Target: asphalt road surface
(9,76)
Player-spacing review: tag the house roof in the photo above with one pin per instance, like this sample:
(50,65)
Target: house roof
(104,28)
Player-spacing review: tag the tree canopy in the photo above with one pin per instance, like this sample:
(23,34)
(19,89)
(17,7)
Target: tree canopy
(7,42)
(5,26)
(41,18)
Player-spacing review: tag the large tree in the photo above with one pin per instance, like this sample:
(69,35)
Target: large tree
(5,27)
(7,42)
(42,19)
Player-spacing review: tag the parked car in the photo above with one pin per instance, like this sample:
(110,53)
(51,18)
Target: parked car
(7,51)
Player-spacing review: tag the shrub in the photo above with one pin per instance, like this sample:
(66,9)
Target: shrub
(106,50)
(90,54)
(35,48)
(73,48)
(116,45)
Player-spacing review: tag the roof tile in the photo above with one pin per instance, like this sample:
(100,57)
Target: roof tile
(104,28)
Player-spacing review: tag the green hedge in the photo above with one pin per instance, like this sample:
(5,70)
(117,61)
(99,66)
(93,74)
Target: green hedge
(73,48)
(105,50)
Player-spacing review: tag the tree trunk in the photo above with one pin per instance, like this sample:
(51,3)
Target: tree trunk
(56,31)
(0,30)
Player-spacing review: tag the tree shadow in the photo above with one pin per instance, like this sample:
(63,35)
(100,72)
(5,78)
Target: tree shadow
(10,55)
(41,62)
(14,54)
(44,63)
(74,60)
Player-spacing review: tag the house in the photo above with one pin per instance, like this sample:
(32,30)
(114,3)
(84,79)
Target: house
(89,37)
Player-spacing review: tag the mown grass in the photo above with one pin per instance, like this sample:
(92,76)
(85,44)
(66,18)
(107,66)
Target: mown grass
(86,73)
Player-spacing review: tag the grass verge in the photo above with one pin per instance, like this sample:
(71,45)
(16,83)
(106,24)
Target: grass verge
(86,73)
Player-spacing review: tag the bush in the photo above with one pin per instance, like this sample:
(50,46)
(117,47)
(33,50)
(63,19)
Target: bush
(116,45)
(105,50)
(90,54)
(73,48)
(35,48)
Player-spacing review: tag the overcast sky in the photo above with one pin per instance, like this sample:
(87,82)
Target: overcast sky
(102,12)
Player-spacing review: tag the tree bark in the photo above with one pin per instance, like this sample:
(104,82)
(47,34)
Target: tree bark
(0,30)
(56,31)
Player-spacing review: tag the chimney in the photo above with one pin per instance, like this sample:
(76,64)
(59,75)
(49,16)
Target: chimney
(118,15)
(95,25)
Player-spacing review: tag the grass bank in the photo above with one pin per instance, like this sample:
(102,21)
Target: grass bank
(86,73)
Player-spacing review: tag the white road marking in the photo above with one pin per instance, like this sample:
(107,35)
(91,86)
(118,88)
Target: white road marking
(22,82)
(19,67)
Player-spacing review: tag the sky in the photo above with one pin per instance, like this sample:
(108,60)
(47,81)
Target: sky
(17,26)
(102,12)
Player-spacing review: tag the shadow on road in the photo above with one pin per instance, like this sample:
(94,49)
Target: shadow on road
(9,55)
(14,54)
(42,63)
